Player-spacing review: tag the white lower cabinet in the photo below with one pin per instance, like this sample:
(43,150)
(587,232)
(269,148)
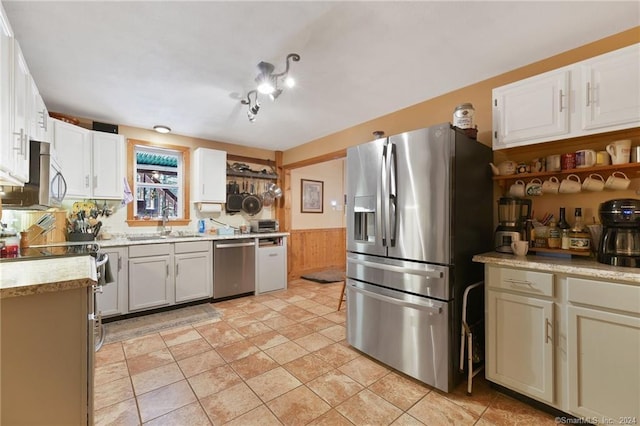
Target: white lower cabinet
(114,298)
(272,264)
(519,333)
(566,340)
(193,270)
(166,274)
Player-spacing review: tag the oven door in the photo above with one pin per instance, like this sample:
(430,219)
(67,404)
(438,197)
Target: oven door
(407,332)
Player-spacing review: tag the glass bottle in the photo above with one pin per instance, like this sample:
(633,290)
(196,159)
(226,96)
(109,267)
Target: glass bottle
(579,238)
(564,227)
(562,221)
(553,237)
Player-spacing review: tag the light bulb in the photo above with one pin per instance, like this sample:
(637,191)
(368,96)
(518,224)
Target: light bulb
(289,82)
(266,88)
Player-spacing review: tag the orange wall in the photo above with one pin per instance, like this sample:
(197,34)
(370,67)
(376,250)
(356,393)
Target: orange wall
(440,109)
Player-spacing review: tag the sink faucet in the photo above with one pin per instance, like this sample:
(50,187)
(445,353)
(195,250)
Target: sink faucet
(165,220)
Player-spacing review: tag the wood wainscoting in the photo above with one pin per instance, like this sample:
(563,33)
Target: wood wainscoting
(312,250)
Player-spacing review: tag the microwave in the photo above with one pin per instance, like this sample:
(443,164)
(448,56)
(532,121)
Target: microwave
(46,187)
(264,225)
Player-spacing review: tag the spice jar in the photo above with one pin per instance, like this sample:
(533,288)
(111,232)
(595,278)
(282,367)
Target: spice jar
(553,236)
(463,116)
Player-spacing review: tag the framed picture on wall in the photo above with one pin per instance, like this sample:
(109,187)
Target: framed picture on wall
(312,196)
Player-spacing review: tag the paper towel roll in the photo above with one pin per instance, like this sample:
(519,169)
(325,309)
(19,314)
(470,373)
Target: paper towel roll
(209,207)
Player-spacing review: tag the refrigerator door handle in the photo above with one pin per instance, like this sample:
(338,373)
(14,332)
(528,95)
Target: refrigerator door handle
(429,306)
(392,193)
(383,196)
(393,268)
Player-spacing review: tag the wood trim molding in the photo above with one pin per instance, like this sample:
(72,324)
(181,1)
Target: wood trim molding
(319,159)
(243,159)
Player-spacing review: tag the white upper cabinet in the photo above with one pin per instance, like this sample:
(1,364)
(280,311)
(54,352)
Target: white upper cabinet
(7,153)
(531,109)
(611,95)
(92,162)
(598,95)
(209,176)
(19,136)
(39,120)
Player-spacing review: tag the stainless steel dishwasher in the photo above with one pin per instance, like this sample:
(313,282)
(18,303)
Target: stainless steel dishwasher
(234,268)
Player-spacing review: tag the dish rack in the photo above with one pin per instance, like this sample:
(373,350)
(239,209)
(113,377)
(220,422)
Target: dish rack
(472,334)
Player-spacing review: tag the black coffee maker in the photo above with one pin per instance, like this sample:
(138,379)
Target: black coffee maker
(620,240)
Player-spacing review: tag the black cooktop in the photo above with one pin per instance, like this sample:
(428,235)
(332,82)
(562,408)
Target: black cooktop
(54,250)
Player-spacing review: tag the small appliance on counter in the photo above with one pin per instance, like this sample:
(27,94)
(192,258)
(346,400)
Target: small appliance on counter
(264,225)
(512,215)
(620,240)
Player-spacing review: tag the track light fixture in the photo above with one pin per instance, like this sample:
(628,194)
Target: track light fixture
(269,84)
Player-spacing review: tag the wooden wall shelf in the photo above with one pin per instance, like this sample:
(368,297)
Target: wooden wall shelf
(632,170)
(253,175)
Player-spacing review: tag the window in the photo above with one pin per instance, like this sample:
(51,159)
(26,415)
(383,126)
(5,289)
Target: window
(158,175)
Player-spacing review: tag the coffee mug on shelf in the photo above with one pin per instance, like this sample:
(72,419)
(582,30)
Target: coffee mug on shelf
(570,186)
(568,161)
(517,189)
(585,158)
(594,182)
(635,154)
(603,158)
(534,187)
(551,185)
(620,151)
(553,163)
(617,180)
(520,248)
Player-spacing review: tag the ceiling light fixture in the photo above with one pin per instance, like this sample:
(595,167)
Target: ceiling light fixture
(162,129)
(269,84)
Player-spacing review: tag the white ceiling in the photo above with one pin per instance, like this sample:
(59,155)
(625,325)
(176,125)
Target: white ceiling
(187,64)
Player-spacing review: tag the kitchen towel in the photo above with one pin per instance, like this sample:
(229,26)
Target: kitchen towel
(209,207)
(127,197)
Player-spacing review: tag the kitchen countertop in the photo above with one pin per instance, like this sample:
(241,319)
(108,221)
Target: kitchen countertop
(575,266)
(36,276)
(124,241)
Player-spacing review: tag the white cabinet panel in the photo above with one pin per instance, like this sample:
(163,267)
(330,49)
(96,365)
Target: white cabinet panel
(20,124)
(209,170)
(272,267)
(73,145)
(7,153)
(108,165)
(114,298)
(150,282)
(193,276)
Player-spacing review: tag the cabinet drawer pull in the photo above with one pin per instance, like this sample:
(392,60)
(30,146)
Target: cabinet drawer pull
(86,181)
(547,326)
(588,93)
(273,254)
(167,270)
(177,268)
(561,96)
(516,283)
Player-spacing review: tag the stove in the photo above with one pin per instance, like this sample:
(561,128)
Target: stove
(54,250)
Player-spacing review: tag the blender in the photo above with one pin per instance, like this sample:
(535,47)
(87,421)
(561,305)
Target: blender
(512,216)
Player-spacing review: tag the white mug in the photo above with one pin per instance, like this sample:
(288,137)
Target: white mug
(553,163)
(534,187)
(570,186)
(551,185)
(586,158)
(520,248)
(517,189)
(615,182)
(594,182)
(620,151)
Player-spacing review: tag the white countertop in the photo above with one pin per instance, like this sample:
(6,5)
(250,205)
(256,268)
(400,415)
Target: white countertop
(118,242)
(43,275)
(575,266)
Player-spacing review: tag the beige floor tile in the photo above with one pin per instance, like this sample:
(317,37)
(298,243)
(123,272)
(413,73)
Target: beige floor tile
(276,304)
(298,407)
(435,409)
(253,329)
(286,352)
(241,321)
(307,368)
(164,400)
(188,349)
(334,387)
(273,383)
(191,415)
(367,408)
(331,418)
(177,336)
(364,370)
(295,331)
(336,354)
(124,413)
(109,353)
(255,307)
(112,393)
(483,395)
(268,340)
(156,378)
(399,390)
(306,303)
(337,317)
(260,416)
(322,309)
(110,372)
(279,322)
(237,350)
(407,420)
(335,332)
(220,334)
(253,365)
(314,341)
(143,345)
(268,313)
(318,323)
(504,410)
(213,381)
(200,362)
(149,361)
(224,406)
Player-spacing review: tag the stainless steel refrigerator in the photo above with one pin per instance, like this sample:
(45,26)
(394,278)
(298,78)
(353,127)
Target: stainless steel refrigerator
(419,206)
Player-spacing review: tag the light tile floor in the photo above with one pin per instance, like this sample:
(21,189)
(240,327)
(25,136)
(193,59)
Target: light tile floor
(274,359)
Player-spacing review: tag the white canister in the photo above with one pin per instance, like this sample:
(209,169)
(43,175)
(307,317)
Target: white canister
(463,116)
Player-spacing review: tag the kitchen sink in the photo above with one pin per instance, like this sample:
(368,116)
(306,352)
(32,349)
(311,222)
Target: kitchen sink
(144,237)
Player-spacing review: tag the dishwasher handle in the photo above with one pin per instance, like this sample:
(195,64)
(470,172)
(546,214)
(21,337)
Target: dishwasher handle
(235,245)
